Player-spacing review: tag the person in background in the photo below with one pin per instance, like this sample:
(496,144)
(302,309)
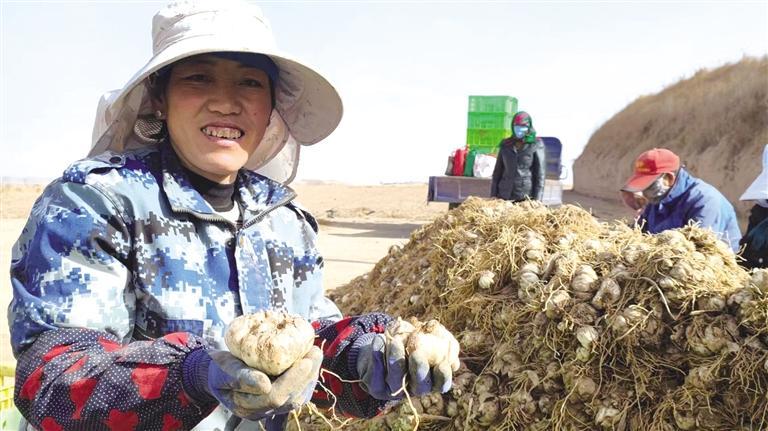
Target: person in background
(133,263)
(755,240)
(521,163)
(675,198)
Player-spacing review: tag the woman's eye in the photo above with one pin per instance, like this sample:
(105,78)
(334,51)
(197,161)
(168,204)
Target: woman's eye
(253,83)
(198,77)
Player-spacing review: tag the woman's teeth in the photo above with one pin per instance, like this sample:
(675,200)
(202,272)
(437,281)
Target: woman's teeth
(222,132)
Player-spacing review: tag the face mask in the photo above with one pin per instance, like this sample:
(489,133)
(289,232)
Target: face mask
(763,203)
(656,191)
(520,131)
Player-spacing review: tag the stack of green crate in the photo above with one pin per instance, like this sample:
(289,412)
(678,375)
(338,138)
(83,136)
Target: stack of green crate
(489,121)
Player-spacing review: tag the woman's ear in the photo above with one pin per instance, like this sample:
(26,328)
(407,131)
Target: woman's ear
(156,86)
(158,104)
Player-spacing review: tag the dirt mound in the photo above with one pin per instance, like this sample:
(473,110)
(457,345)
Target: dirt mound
(716,121)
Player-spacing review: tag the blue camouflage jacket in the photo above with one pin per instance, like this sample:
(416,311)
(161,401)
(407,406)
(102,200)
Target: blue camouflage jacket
(692,199)
(123,269)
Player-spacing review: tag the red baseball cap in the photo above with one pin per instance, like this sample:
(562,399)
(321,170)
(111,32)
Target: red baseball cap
(651,165)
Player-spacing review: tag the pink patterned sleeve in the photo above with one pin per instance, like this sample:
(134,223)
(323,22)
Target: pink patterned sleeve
(85,379)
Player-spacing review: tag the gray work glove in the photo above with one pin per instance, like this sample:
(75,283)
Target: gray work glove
(217,375)
(382,364)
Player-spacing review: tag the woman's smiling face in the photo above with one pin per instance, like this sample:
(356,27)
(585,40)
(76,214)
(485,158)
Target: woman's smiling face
(217,111)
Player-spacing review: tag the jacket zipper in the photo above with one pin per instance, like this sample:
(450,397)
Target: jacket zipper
(215,217)
(218,218)
(282,202)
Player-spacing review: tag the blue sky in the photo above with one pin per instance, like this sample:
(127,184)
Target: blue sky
(404,70)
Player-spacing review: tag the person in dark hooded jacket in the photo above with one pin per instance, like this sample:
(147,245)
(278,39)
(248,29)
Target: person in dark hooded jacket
(755,241)
(520,164)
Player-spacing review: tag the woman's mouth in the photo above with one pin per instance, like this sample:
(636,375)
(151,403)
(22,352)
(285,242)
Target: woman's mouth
(223,132)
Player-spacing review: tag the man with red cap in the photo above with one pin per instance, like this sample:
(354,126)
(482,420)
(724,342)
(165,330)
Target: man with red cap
(676,198)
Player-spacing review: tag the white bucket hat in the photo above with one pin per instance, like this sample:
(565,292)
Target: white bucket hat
(307,107)
(759,188)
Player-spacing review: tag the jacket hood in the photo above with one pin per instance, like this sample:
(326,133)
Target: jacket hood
(522,118)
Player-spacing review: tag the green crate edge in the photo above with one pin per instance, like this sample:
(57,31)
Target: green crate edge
(503,118)
(485,150)
(494,140)
(511,110)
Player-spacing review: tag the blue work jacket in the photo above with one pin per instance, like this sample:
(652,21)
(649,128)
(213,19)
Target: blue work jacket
(692,199)
(123,260)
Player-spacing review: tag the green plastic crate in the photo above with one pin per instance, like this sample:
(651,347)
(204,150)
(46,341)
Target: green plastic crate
(486,137)
(505,104)
(489,120)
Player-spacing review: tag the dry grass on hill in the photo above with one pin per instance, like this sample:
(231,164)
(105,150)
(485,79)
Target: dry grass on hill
(717,121)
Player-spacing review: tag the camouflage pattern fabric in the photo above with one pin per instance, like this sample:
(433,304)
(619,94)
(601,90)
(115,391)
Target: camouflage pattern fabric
(124,246)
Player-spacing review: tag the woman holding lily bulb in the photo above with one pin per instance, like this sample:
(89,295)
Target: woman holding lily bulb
(135,261)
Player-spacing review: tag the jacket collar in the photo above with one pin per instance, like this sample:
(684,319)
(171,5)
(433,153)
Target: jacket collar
(256,194)
(683,182)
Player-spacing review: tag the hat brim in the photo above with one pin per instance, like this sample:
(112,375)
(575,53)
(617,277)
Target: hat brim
(758,189)
(638,183)
(308,106)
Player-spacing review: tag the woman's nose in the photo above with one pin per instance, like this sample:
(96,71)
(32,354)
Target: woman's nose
(224,100)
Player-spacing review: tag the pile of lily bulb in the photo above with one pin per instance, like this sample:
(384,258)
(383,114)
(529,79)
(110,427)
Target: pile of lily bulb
(566,322)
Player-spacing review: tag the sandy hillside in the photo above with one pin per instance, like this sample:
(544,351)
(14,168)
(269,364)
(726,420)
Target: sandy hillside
(717,121)
(358,225)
